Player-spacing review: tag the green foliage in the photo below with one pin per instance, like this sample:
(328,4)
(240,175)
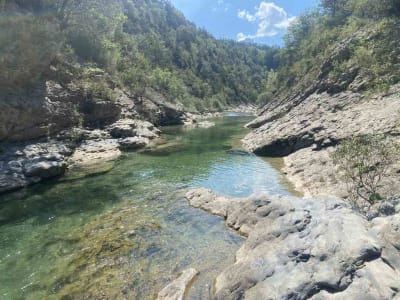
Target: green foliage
(187,64)
(368,33)
(99,90)
(95,84)
(167,83)
(27,46)
(143,44)
(365,162)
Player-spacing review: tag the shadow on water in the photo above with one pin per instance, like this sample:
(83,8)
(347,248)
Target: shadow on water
(127,233)
(52,199)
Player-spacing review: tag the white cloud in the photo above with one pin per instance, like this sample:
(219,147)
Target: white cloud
(240,37)
(244,14)
(271,19)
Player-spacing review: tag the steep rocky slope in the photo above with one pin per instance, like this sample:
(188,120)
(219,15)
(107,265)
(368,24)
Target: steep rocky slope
(305,134)
(304,125)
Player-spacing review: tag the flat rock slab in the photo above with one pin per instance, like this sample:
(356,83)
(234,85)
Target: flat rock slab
(322,119)
(93,157)
(176,289)
(303,249)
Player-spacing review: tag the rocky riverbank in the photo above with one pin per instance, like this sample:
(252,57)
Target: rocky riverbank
(75,153)
(64,131)
(305,249)
(64,127)
(307,129)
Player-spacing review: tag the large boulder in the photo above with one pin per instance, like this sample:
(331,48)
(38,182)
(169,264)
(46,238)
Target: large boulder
(126,128)
(45,169)
(93,157)
(25,164)
(156,108)
(303,249)
(133,143)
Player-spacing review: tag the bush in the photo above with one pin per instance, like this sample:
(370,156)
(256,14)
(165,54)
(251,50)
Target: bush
(365,161)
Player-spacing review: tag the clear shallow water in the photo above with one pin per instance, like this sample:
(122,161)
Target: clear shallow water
(127,233)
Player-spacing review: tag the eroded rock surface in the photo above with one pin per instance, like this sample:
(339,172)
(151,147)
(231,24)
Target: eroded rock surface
(307,128)
(176,289)
(93,157)
(22,165)
(323,120)
(305,249)
(76,152)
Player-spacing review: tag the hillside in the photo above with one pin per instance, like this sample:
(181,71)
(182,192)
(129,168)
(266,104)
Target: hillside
(142,44)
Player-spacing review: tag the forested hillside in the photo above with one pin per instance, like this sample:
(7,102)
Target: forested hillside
(342,44)
(142,44)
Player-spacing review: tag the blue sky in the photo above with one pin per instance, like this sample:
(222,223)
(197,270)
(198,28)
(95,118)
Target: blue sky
(263,22)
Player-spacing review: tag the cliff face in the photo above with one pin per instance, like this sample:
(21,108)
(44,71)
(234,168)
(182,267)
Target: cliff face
(305,125)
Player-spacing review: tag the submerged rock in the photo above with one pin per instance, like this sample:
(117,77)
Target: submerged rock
(303,249)
(176,289)
(199,124)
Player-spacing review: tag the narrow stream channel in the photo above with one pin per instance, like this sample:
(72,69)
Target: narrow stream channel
(127,233)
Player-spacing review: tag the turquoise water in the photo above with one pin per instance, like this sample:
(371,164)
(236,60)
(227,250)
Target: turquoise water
(127,233)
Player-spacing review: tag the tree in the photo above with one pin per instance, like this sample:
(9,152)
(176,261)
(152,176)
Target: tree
(365,161)
(334,7)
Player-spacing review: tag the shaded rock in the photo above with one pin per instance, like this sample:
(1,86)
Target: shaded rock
(381,209)
(45,169)
(123,128)
(302,249)
(239,152)
(10,183)
(99,111)
(154,107)
(51,108)
(176,289)
(133,143)
(22,165)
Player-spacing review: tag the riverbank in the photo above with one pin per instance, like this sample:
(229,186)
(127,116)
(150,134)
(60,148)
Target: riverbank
(128,232)
(305,249)
(315,247)
(306,132)
(77,152)
(73,153)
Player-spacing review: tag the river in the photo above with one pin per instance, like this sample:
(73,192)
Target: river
(127,233)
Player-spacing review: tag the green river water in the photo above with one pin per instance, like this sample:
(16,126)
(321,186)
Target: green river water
(127,233)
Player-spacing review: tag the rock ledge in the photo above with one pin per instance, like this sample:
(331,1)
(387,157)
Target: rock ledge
(303,249)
